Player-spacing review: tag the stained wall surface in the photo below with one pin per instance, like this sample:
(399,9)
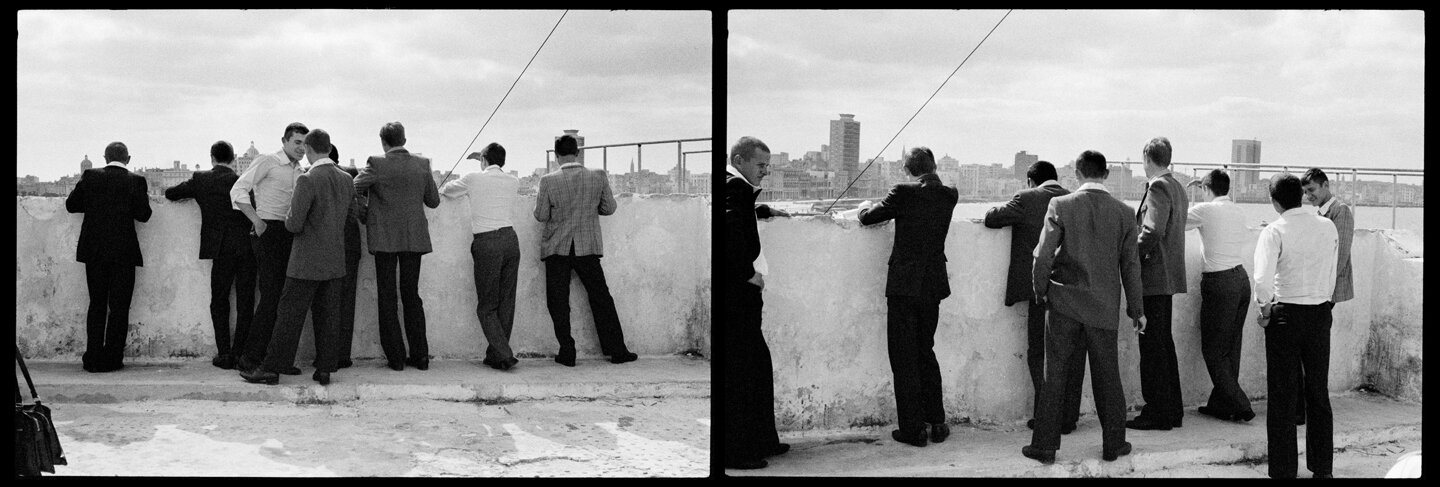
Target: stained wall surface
(657,264)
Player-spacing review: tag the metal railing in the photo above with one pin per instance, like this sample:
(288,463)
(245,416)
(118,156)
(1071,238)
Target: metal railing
(1335,173)
(639,155)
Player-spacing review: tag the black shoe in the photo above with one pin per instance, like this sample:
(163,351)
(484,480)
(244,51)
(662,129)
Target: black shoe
(1215,413)
(422,363)
(396,364)
(243,363)
(939,432)
(1299,421)
(1044,456)
(258,376)
(1030,424)
(291,370)
(1324,476)
(568,360)
(322,377)
(509,364)
(1066,428)
(1144,423)
(491,363)
(223,361)
(747,464)
(778,449)
(108,367)
(1245,416)
(344,363)
(916,439)
(622,358)
(88,368)
(1111,455)
(1177,421)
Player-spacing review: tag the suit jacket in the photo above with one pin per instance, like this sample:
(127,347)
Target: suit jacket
(318,210)
(396,184)
(1344,220)
(1025,212)
(1161,217)
(224,230)
(112,199)
(570,202)
(742,237)
(1087,251)
(922,212)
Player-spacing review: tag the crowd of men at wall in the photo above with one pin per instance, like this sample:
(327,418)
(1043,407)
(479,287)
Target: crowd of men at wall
(295,233)
(1072,254)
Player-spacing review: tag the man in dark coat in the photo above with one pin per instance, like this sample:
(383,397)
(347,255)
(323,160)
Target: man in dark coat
(1161,216)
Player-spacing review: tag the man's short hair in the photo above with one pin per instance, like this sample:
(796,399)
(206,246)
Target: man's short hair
(1217,181)
(1041,171)
(335,154)
(1157,151)
(1286,189)
(117,152)
(920,161)
(393,134)
(293,128)
(319,141)
(1091,164)
(566,145)
(1315,175)
(746,147)
(494,154)
(223,152)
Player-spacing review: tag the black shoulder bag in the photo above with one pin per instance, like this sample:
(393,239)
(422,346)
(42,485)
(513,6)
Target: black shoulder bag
(37,446)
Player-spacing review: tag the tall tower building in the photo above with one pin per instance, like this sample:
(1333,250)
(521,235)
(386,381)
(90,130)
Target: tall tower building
(1244,151)
(1022,164)
(86,165)
(844,156)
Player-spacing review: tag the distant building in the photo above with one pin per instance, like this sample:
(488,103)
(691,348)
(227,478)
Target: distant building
(779,159)
(844,156)
(1244,151)
(86,165)
(243,162)
(1022,164)
(580,142)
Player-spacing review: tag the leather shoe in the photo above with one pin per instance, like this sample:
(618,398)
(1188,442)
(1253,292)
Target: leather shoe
(1067,428)
(568,360)
(258,376)
(778,449)
(1299,421)
(344,363)
(422,363)
(396,364)
(622,358)
(1044,456)
(1215,413)
(1324,476)
(939,432)
(916,439)
(322,377)
(1111,455)
(291,370)
(1144,423)
(1030,424)
(1245,416)
(747,464)
(508,364)
(491,363)
(224,361)
(243,363)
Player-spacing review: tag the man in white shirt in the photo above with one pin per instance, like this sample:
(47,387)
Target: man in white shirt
(495,249)
(1294,278)
(271,179)
(1224,294)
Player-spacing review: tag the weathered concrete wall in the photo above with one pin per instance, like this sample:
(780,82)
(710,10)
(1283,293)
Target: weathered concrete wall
(657,264)
(1393,360)
(824,321)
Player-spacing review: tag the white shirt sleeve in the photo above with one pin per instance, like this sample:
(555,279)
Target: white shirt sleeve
(1267,258)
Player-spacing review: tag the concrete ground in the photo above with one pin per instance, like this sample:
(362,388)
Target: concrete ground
(649,418)
(1371,432)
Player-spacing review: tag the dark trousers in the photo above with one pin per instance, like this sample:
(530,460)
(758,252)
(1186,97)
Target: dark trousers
(497,263)
(1224,301)
(1159,374)
(1066,345)
(1298,335)
(272,257)
(391,339)
(236,269)
(749,386)
(108,320)
(321,298)
(345,327)
(557,299)
(1035,358)
(910,336)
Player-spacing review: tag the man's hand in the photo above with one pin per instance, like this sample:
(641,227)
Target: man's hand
(259,227)
(1139,324)
(865,205)
(758,281)
(1263,319)
(779,213)
(475,156)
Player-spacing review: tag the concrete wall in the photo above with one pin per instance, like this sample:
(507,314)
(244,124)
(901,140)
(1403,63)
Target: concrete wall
(657,264)
(824,320)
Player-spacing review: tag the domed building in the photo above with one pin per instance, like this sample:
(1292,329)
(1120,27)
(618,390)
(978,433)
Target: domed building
(243,162)
(86,165)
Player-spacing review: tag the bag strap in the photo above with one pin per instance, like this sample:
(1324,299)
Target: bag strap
(26,371)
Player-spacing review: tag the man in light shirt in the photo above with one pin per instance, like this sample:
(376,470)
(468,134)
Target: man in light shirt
(1294,281)
(1317,192)
(271,180)
(495,249)
(1224,294)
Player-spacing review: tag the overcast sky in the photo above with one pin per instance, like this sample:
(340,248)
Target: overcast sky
(170,83)
(1315,87)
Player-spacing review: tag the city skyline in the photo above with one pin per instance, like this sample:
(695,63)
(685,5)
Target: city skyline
(170,83)
(1317,88)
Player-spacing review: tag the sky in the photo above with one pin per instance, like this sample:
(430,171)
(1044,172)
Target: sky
(1326,88)
(170,83)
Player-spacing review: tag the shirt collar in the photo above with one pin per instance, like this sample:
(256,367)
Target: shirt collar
(1050,182)
(730,169)
(1299,210)
(1325,208)
(571,164)
(119,164)
(325,160)
(1224,197)
(1097,186)
(1161,175)
(398,147)
(286,158)
(497,169)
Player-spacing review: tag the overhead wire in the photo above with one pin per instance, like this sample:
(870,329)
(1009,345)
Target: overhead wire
(917,112)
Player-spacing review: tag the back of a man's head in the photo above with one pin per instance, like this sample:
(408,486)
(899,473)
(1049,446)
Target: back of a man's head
(1217,181)
(222,152)
(1040,172)
(392,134)
(319,141)
(117,152)
(1157,151)
(566,145)
(495,154)
(1286,190)
(920,161)
(1091,165)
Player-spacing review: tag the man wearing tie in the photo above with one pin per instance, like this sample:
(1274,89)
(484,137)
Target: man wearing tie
(1087,251)
(112,199)
(916,283)
(1161,218)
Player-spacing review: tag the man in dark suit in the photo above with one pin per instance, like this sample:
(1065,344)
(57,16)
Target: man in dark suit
(916,284)
(317,264)
(345,330)
(570,201)
(1086,252)
(225,240)
(1161,217)
(112,199)
(749,389)
(396,185)
(1026,212)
